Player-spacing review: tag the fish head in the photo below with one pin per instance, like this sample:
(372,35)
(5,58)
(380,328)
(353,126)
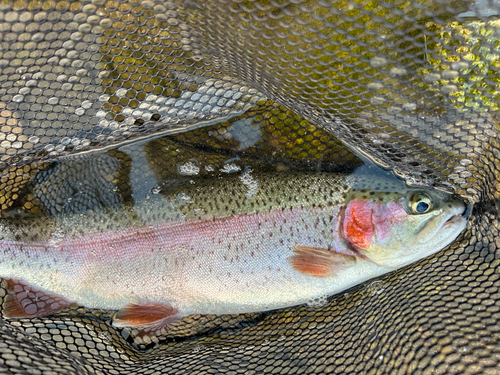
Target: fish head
(394,229)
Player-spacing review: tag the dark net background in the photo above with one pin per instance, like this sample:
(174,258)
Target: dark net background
(411,85)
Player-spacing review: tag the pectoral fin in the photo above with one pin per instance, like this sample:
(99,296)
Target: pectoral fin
(146,317)
(26,301)
(319,262)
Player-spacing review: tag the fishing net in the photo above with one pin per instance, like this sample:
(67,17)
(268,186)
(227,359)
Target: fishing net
(88,87)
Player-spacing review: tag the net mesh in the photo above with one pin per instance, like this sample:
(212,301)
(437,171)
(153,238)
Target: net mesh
(411,85)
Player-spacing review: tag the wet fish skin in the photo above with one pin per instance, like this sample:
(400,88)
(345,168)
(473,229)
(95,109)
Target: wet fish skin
(293,238)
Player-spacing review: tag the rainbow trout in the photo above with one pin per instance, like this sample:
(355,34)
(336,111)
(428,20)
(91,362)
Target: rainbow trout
(242,243)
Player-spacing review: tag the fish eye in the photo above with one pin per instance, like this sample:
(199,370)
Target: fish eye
(420,203)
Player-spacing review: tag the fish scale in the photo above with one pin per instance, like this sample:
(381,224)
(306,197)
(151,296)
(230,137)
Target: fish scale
(223,250)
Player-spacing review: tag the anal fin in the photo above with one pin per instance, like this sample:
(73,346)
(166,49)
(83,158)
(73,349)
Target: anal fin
(148,317)
(319,262)
(26,301)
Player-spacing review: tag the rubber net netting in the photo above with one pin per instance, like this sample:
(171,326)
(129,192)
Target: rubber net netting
(412,85)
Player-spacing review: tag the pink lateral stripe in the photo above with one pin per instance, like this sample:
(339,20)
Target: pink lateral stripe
(135,241)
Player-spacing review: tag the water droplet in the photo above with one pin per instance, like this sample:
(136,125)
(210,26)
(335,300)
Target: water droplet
(155,190)
(56,237)
(378,62)
(251,183)
(317,302)
(182,198)
(230,168)
(188,169)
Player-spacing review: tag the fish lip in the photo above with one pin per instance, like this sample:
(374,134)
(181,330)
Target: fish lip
(452,220)
(463,214)
(453,217)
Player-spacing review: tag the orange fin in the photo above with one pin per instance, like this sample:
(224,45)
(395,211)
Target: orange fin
(26,301)
(319,262)
(146,317)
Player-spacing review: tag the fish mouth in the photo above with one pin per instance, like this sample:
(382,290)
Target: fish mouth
(455,219)
(431,227)
(457,216)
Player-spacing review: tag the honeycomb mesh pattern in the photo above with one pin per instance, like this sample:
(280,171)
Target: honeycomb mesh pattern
(79,75)
(411,85)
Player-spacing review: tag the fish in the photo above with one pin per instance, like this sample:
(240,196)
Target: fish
(245,242)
